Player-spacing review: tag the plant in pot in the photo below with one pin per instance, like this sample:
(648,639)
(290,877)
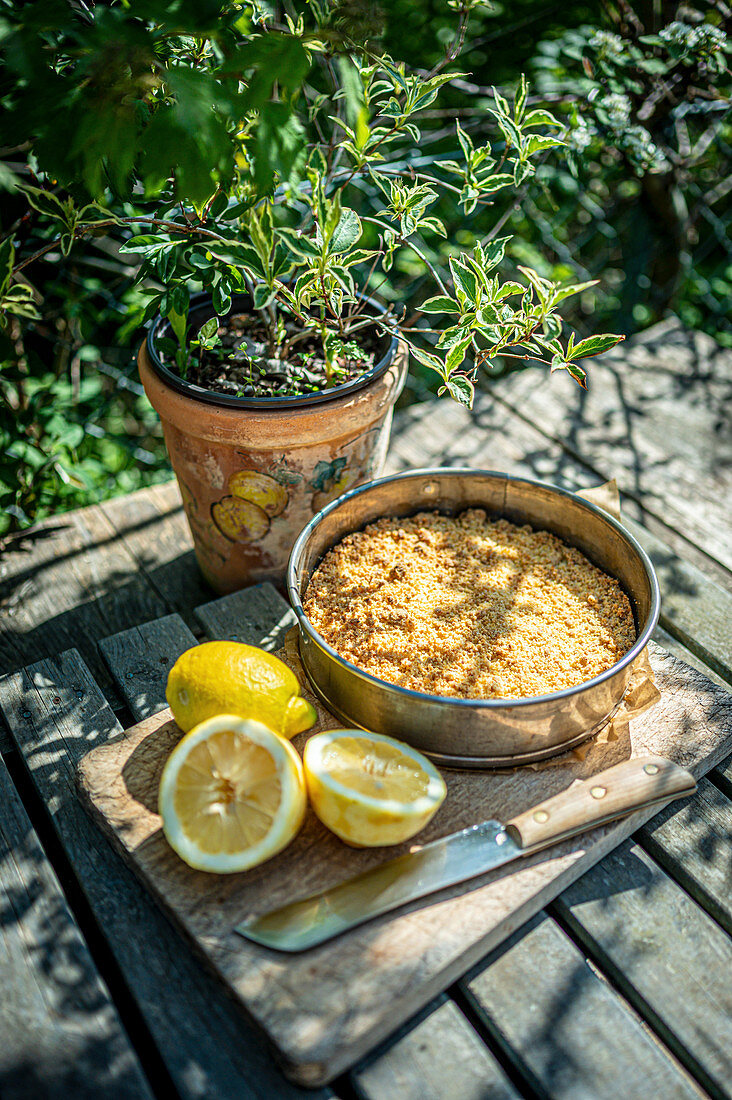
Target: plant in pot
(273,369)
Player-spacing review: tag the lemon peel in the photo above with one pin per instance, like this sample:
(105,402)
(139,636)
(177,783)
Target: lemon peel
(234,678)
(369,789)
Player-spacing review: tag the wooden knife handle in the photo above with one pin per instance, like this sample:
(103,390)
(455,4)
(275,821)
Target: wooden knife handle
(642,781)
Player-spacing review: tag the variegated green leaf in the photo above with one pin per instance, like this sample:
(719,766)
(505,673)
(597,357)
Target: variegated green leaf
(440,304)
(594,345)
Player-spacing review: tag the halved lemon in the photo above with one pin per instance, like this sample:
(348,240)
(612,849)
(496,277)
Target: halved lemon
(232,795)
(369,789)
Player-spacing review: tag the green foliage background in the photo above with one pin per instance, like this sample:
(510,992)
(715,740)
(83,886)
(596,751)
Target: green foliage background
(655,246)
(76,426)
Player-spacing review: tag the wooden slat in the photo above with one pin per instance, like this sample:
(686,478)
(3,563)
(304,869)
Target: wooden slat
(60,1035)
(565,1028)
(152,527)
(678,649)
(671,960)
(257,615)
(68,582)
(141,658)
(439,1057)
(693,843)
(56,712)
(650,418)
(722,774)
(694,609)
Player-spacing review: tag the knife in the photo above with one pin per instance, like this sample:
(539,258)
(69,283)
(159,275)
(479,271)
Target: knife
(633,785)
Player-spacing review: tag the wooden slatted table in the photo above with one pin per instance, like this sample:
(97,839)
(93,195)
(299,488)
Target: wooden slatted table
(620,987)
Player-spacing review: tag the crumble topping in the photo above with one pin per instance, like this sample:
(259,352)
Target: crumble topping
(469,607)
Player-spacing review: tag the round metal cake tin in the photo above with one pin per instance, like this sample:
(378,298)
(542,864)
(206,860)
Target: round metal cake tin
(474,733)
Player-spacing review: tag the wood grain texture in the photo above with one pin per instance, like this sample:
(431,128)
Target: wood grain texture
(570,1034)
(257,615)
(722,774)
(666,955)
(632,784)
(695,609)
(393,966)
(60,1034)
(678,649)
(652,418)
(439,1057)
(68,582)
(56,712)
(693,844)
(141,658)
(152,527)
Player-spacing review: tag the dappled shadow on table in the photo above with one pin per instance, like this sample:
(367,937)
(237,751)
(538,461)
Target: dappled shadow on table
(60,1031)
(76,580)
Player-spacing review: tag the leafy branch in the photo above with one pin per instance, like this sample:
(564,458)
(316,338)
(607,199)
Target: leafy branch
(257,178)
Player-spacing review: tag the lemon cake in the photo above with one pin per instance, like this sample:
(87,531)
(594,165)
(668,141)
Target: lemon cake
(469,607)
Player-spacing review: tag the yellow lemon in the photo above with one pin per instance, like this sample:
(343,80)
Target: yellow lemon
(260,489)
(232,794)
(368,789)
(233,678)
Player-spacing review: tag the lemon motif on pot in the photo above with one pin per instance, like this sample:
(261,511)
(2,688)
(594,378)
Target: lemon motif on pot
(260,489)
(239,520)
(254,499)
(331,479)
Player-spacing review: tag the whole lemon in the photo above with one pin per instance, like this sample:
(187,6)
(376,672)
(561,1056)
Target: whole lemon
(233,678)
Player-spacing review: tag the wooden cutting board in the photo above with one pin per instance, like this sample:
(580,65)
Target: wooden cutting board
(325,1008)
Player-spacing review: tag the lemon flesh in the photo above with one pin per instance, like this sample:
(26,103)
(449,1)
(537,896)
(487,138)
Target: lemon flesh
(369,789)
(232,795)
(233,678)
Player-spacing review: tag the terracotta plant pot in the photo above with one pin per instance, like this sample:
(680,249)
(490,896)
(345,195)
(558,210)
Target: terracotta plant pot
(253,471)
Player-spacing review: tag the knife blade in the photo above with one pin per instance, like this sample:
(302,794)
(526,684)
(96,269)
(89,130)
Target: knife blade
(634,784)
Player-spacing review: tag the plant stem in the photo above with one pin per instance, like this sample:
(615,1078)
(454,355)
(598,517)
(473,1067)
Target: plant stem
(272,330)
(404,240)
(138,219)
(456,46)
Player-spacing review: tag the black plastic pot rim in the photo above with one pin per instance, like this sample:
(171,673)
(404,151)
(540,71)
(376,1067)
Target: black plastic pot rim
(211,397)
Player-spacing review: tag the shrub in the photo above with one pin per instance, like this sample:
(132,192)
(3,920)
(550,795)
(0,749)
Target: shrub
(234,150)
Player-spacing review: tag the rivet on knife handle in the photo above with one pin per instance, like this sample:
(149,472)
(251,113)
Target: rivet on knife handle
(642,781)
